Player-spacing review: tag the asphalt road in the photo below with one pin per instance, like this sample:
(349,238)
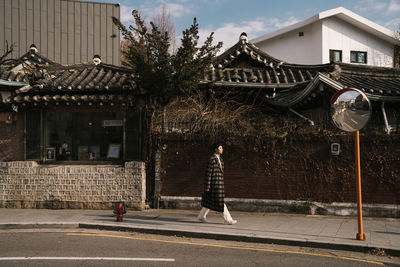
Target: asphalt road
(103,248)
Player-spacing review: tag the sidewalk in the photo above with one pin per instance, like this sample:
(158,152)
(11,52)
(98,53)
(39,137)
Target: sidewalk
(334,232)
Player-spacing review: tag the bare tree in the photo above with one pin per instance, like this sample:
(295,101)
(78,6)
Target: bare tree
(7,51)
(165,24)
(397,48)
(124,45)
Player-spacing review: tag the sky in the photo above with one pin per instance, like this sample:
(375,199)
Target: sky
(229,18)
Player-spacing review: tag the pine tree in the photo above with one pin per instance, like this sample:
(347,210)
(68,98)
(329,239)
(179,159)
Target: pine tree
(161,74)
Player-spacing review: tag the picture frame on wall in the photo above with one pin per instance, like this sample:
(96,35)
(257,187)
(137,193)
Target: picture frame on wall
(113,151)
(50,153)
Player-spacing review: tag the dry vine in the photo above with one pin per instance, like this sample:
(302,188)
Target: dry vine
(215,117)
(210,116)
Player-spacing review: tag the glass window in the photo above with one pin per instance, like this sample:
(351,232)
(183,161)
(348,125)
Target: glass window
(83,135)
(358,57)
(335,55)
(353,57)
(361,58)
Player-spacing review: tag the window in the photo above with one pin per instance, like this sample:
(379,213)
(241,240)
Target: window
(335,55)
(358,57)
(83,136)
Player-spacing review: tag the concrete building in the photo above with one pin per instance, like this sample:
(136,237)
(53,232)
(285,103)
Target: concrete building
(334,35)
(64,31)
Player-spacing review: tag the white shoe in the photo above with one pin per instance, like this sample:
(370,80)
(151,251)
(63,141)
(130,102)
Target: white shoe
(203,220)
(230,222)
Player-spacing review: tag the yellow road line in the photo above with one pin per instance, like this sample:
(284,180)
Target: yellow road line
(230,247)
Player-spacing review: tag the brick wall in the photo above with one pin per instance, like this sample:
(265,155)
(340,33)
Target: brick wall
(12,137)
(296,168)
(26,184)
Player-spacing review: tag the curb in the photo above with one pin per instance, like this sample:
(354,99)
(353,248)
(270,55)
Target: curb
(209,235)
(242,238)
(9,226)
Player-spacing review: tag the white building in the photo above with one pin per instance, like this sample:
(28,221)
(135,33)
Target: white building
(333,35)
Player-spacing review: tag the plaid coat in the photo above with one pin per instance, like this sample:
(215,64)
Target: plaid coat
(214,192)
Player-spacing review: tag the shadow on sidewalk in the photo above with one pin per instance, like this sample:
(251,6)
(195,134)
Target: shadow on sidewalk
(150,219)
(388,233)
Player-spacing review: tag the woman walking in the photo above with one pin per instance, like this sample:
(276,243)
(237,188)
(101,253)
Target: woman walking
(214,192)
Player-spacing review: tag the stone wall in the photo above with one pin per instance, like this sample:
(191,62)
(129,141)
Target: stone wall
(287,206)
(27,184)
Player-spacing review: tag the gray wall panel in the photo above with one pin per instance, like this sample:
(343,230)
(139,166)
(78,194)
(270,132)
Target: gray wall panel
(109,33)
(90,31)
(15,26)
(57,32)
(103,31)
(84,32)
(8,22)
(77,32)
(36,23)
(116,41)
(96,33)
(71,35)
(29,24)
(22,26)
(66,31)
(2,27)
(50,29)
(43,28)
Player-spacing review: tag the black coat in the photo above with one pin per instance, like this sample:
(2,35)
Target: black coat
(214,192)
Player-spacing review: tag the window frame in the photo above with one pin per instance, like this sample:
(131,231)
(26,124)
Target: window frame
(356,53)
(332,55)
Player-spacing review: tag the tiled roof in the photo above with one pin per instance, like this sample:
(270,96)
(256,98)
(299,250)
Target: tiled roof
(269,77)
(31,57)
(377,82)
(243,66)
(302,94)
(86,78)
(261,70)
(285,85)
(20,70)
(82,83)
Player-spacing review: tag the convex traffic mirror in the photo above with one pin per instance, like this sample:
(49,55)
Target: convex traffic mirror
(350,109)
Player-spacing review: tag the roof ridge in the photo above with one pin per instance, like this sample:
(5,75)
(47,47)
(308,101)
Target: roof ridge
(368,70)
(244,46)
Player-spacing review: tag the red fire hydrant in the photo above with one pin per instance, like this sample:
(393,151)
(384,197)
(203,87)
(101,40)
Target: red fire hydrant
(120,212)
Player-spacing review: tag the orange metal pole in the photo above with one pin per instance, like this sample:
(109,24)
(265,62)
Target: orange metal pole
(360,235)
